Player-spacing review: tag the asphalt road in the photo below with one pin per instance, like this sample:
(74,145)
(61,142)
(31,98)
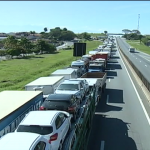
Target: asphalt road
(120,122)
(139,59)
(65,45)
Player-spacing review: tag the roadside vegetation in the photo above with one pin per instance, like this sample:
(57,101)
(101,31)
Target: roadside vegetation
(16,73)
(139,46)
(137,40)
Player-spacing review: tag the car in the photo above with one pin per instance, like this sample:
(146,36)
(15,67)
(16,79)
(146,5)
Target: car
(71,87)
(131,50)
(63,102)
(84,84)
(53,125)
(24,141)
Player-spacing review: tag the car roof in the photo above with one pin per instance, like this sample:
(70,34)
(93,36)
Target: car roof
(39,117)
(18,140)
(70,82)
(59,97)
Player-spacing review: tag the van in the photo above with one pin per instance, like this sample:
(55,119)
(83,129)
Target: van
(131,50)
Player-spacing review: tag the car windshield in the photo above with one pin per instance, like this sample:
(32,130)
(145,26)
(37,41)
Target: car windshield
(71,87)
(43,130)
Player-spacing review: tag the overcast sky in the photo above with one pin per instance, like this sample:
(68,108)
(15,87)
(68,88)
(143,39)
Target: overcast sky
(78,16)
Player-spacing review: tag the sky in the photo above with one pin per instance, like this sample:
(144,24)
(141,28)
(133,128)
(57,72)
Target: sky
(77,16)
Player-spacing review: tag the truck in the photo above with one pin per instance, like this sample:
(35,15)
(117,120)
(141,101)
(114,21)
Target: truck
(45,84)
(77,138)
(80,63)
(15,105)
(96,67)
(67,73)
(78,70)
(104,55)
(97,79)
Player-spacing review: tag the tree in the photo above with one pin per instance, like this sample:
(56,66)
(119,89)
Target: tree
(136,31)
(25,45)
(45,29)
(10,42)
(105,32)
(43,46)
(126,31)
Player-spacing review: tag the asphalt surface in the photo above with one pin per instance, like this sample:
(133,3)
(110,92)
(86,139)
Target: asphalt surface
(139,59)
(65,45)
(120,122)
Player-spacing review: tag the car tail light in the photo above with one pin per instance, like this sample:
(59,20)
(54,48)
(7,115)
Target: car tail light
(53,137)
(71,108)
(42,108)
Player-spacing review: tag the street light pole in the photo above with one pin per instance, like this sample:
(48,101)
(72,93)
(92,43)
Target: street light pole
(138,21)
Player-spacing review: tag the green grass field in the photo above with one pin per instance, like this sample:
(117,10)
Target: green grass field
(139,46)
(15,74)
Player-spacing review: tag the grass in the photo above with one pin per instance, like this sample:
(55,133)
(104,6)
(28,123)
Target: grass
(15,74)
(139,46)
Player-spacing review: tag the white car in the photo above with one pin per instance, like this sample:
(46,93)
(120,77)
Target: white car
(53,125)
(71,87)
(24,141)
(84,84)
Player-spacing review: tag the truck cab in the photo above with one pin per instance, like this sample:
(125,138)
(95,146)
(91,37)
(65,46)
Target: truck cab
(80,64)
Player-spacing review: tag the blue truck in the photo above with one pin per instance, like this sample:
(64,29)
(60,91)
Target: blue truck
(14,105)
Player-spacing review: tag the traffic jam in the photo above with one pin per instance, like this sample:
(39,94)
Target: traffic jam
(55,112)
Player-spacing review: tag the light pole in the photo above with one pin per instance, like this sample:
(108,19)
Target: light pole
(138,21)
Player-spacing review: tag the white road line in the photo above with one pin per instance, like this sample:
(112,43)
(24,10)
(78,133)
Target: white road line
(136,58)
(102,145)
(145,112)
(107,100)
(109,79)
(145,65)
(140,60)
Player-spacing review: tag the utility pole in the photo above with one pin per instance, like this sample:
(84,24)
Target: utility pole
(138,21)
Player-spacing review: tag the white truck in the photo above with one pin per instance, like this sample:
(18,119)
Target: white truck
(67,73)
(45,84)
(98,80)
(81,64)
(14,105)
(78,70)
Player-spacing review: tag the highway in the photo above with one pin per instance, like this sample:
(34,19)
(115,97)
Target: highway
(121,121)
(139,59)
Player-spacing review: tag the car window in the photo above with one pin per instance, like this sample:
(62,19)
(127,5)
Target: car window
(58,122)
(40,146)
(62,116)
(43,130)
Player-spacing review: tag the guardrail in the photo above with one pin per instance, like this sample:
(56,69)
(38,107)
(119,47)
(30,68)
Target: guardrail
(141,76)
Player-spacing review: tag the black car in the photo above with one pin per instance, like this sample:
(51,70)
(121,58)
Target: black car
(63,102)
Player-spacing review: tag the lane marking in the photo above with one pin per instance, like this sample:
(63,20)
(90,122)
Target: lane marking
(107,100)
(145,65)
(136,58)
(140,60)
(145,112)
(102,145)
